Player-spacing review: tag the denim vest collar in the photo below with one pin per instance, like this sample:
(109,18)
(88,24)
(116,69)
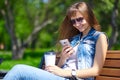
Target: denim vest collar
(76,38)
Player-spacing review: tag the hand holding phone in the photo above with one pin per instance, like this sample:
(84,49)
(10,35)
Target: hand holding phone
(64,42)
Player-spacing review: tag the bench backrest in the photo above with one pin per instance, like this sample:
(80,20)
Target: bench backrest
(111,68)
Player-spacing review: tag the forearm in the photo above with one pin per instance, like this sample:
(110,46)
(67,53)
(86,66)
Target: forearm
(61,62)
(85,73)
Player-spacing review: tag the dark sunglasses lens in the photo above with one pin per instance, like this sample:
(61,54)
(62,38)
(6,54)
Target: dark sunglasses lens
(79,19)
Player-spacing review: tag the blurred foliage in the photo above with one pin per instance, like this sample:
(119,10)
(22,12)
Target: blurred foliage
(31,57)
(48,35)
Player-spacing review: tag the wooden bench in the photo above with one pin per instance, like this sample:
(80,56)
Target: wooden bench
(111,68)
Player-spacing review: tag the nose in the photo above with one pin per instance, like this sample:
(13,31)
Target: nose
(77,23)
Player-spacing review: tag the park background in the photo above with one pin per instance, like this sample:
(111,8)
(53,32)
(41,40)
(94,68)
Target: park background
(28,28)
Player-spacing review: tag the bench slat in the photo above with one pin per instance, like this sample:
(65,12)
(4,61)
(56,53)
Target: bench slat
(113,51)
(111,68)
(112,63)
(110,72)
(113,54)
(107,78)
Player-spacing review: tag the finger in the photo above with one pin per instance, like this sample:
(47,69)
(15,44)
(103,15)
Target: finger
(65,47)
(51,71)
(71,52)
(47,68)
(68,49)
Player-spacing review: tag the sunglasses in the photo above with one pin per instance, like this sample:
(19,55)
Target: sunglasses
(80,19)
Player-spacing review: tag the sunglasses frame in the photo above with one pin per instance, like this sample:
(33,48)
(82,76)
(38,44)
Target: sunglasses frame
(73,21)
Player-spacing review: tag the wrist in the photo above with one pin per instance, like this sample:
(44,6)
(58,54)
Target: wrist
(73,73)
(67,73)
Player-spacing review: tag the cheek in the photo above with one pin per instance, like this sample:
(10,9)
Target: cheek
(84,22)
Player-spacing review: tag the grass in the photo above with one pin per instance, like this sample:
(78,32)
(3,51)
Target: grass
(31,57)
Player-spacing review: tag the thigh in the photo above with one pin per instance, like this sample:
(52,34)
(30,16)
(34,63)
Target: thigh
(25,72)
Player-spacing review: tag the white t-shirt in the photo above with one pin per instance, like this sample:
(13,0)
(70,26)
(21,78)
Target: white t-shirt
(72,60)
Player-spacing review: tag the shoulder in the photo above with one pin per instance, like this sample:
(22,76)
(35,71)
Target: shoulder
(94,33)
(102,38)
(99,34)
(103,35)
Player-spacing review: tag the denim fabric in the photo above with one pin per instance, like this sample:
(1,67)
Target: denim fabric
(86,50)
(24,72)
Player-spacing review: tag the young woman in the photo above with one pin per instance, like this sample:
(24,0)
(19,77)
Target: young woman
(82,59)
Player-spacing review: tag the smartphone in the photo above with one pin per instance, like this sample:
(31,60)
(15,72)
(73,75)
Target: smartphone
(64,42)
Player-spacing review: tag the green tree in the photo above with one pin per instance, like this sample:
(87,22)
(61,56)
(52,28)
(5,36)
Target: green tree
(34,14)
(33,22)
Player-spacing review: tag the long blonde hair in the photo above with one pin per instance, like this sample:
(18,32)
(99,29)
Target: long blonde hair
(67,30)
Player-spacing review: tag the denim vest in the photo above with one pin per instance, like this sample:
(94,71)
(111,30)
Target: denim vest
(86,49)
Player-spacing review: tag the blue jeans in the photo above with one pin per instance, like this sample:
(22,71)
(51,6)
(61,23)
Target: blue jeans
(25,72)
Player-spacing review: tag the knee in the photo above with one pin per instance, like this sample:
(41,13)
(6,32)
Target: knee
(18,67)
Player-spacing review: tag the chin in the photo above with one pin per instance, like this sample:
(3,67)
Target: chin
(81,30)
